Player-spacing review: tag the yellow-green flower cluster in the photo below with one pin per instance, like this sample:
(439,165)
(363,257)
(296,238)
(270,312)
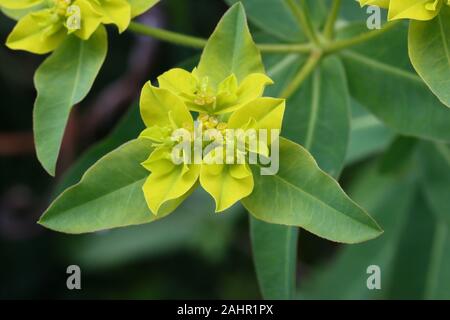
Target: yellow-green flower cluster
(49,22)
(231,105)
(409,9)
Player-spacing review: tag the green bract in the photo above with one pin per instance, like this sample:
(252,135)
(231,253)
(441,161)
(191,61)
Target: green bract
(202,96)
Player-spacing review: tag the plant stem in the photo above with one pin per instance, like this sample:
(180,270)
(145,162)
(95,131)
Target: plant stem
(169,36)
(303,20)
(302,75)
(344,44)
(199,43)
(328,30)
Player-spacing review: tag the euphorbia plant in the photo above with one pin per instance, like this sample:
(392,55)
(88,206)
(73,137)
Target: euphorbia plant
(225,91)
(304,86)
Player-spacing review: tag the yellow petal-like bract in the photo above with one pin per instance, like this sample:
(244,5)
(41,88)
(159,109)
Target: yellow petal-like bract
(51,21)
(223,171)
(409,9)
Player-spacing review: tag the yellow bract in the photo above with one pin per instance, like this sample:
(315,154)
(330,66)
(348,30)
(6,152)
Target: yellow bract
(166,110)
(199,95)
(50,21)
(409,9)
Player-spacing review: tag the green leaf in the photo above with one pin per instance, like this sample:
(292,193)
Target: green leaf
(230,49)
(277,275)
(138,7)
(127,129)
(368,135)
(108,196)
(435,160)
(197,229)
(274,252)
(275,18)
(318,116)
(420,251)
(381,79)
(398,155)
(389,199)
(281,69)
(413,240)
(429,51)
(302,195)
(62,81)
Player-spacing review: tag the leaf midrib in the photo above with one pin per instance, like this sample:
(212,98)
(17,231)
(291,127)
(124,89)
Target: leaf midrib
(315,105)
(444,43)
(236,45)
(77,74)
(277,176)
(92,200)
(380,65)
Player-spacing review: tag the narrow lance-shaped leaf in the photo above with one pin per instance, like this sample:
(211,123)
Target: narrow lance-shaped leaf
(411,230)
(302,195)
(275,256)
(435,160)
(382,80)
(318,116)
(275,17)
(127,129)
(429,50)
(313,119)
(368,135)
(108,196)
(62,81)
(230,49)
(389,199)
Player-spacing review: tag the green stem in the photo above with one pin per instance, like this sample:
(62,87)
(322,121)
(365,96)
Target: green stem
(303,20)
(302,75)
(169,36)
(328,30)
(199,43)
(344,44)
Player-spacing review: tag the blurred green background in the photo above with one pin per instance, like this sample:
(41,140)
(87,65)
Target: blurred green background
(194,253)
